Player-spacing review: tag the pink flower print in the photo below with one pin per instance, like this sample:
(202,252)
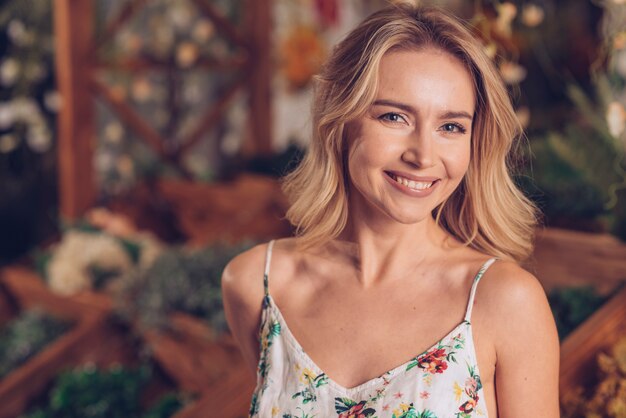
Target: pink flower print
(398,395)
(471,385)
(386,407)
(424,395)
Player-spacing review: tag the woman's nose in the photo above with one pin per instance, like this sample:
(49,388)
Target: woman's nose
(419,150)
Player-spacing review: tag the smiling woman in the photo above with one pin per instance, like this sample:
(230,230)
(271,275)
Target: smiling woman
(403,204)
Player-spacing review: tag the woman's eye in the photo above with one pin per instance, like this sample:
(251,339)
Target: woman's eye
(392,117)
(453,128)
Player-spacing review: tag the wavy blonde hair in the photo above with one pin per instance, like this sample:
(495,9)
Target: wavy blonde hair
(487,211)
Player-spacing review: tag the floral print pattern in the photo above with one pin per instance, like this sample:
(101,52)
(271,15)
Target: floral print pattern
(441,382)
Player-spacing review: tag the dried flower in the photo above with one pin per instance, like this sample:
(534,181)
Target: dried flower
(532,15)
(506,13)
(512,73)
(616,119)
(186,54)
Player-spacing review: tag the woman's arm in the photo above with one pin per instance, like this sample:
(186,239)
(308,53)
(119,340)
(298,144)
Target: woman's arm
(526,344)
(242,295)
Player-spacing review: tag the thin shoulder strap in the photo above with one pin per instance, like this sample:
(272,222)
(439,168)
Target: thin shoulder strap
(266,274)
(470,303)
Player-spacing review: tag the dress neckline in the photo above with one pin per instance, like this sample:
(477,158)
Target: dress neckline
(386,376)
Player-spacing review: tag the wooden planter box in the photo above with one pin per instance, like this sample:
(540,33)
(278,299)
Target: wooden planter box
(248,207)
(85,340)
(564,258)
(581,347)
(200,363)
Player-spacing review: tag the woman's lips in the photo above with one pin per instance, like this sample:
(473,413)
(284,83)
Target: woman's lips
(412,185)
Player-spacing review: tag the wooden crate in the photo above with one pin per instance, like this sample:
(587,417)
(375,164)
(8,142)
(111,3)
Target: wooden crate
(86,340)
(581,347)
(564,258)
(195,359)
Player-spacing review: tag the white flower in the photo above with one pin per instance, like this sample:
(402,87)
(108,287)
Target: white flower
(532,15)
(9,71)
(7,115)
(8,143)
(38,138)
(203,30)
(114,132)
(66,277)
(186,54)
(506,13)
(53,101)
(512,73)
(141,90)
(616,119)
(68,269)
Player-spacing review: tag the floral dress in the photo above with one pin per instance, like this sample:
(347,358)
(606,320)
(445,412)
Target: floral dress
(443,381)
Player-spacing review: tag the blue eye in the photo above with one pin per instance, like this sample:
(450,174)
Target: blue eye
(392,117)
(453,128)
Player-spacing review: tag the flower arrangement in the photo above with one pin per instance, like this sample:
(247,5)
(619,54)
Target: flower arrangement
(113,393)
(25,336)
(92,253)
(608,397)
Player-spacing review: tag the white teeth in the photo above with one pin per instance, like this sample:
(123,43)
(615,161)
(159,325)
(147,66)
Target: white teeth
(415,185)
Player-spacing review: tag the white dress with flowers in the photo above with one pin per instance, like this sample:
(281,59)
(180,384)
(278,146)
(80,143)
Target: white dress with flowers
(441,382)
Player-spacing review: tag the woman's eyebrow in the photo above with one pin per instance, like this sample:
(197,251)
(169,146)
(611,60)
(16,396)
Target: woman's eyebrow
(403,106)
(408,108)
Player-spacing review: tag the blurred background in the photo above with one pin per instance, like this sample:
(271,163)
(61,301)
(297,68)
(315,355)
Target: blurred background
(141,142)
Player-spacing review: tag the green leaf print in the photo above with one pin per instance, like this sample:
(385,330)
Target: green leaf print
(347,408)
(343,404)
(274,330)
(254,406)
(426,414)
(320,380)
(307,396)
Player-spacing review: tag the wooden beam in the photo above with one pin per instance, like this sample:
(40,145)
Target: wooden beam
(221,23)
(211,117)
(128,115)
(134,64)
(259,22)
(114,25)
(76,140)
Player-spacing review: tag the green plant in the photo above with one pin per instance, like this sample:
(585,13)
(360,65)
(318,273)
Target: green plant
(87,392)
(572,305)
(179,280)
(25,336)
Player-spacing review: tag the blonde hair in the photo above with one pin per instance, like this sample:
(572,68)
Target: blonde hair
(487,211)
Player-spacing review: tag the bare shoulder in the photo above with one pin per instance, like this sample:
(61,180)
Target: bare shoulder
(516,313)
(242,280)
(507,288)
(242,295)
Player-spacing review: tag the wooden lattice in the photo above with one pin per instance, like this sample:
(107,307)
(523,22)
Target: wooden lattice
(78,63)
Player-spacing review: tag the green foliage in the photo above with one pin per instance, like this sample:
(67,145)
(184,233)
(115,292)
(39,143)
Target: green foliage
(581,170)
(114,393)
(180,280)
(572,305)
(25,336)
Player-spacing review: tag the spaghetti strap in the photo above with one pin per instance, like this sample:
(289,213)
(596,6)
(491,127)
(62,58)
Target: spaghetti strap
(266,273)
(470,303)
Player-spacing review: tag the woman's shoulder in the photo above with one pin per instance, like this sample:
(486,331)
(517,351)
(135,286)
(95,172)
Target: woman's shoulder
(515,303)
(242,279)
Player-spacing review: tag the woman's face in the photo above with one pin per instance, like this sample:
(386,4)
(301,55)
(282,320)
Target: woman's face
(411,149)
